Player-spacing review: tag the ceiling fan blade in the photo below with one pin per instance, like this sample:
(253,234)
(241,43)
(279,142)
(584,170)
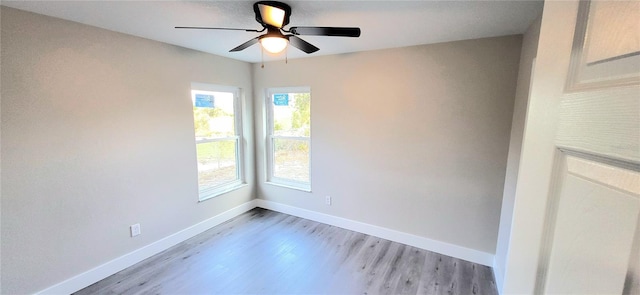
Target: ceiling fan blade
(211,28)
(326,31)
(245,45)
(301,44)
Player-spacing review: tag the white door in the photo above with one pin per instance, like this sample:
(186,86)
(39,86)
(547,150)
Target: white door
(576,227)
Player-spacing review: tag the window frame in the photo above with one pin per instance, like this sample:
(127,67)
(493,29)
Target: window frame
(240,180)
(270,140)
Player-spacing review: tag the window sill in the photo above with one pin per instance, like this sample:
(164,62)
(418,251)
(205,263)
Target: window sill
(304,189)
(220,191)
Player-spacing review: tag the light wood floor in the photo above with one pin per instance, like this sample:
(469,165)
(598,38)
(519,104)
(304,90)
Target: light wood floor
(265,252)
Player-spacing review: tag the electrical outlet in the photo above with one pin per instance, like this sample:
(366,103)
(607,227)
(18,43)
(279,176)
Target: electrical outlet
(135,229)
(327,200)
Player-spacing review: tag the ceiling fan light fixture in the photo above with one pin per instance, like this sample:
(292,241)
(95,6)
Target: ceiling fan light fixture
(274,44)
(272,15)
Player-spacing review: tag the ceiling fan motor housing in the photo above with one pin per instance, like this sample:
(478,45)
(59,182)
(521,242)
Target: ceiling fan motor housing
(274,16)
(279,5)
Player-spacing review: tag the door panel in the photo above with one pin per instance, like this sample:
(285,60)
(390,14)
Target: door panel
(577,206)
(592,213)
(597,213)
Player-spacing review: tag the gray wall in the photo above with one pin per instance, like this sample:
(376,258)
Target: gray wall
(413,139)
(97,134)
(529,50)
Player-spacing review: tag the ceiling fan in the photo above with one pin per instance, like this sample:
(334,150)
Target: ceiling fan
(273,16)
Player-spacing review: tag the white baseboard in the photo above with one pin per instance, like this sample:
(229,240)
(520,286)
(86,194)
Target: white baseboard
(498,275)
(98,273)
(385,233)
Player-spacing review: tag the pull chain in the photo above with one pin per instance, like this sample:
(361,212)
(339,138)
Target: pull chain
(262,56)
(286,55)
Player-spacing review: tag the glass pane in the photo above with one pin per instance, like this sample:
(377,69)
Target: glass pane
(291,159)
(213,114)
(292,114)
(216,163)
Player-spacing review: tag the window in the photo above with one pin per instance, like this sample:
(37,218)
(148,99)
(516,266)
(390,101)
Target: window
(218,130)
(289,137)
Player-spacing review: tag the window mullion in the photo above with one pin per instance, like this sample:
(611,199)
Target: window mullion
(302,138)
(216,139)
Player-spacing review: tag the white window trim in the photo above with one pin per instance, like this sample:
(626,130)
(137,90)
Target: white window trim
(269,141)
(240,180)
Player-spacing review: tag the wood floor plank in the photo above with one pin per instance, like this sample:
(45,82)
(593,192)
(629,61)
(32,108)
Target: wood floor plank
(429,276)
(486,280)
(464,277)
(391,273)
(410,272)
(377,270)
(445,279)
(265,252)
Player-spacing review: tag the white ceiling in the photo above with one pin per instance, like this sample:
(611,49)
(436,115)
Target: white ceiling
(384,24)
